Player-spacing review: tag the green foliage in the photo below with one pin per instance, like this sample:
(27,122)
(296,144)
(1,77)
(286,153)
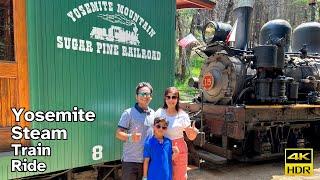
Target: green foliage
(187,12)
(301,2)
(196,64)
(186,18)
(187,92)
(198,35)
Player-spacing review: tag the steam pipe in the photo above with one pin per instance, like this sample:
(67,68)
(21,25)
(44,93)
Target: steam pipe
(243,10)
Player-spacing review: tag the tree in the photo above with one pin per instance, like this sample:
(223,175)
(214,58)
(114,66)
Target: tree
(180,65)
(228,11)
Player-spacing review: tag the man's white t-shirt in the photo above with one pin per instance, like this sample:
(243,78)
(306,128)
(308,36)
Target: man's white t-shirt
(177,123)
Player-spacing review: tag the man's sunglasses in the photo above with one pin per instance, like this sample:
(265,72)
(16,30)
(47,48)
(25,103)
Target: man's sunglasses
(163,127)
(172,97)
(144,94)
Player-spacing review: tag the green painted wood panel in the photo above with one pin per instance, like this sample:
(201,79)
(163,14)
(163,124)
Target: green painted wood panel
(61,78)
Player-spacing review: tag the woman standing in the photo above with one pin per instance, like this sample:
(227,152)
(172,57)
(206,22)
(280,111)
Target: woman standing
(179,122)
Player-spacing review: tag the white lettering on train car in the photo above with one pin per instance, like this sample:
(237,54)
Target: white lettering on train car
(74,44)
(121,27)
(97,152)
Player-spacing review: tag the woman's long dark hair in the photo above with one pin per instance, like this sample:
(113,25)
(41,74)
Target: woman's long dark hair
(174,91)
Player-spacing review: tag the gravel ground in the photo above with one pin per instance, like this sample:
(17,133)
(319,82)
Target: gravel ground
(237,170)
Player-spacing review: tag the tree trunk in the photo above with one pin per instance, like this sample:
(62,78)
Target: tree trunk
(192,31)
(228,11)
(305,15)
(181,71)
(313,12)
(319,12)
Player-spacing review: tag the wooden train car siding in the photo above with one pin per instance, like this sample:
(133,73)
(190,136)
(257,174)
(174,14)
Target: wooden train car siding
(13,71)
(8,95)
(63,75)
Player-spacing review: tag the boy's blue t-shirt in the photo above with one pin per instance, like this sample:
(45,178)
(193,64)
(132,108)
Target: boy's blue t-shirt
(160,163)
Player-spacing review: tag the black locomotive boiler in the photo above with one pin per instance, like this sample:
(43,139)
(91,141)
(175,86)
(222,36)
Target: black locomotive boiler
(255,102)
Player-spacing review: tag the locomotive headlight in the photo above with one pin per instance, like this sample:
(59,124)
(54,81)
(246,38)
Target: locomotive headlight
(215,31)
(209,30)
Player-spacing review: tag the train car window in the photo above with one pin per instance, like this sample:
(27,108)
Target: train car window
(6,31)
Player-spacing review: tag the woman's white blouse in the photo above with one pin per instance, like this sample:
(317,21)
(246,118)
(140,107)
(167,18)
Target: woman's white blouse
(177,123)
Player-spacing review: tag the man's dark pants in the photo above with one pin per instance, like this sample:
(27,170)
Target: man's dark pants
(132,171)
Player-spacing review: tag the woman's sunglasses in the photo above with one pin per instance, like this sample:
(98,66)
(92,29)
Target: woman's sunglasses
(163,127)
(172,97)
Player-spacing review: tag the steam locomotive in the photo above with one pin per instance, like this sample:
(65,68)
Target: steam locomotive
(255,102)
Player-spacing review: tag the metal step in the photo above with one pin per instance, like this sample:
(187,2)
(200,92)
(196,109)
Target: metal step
(213,158)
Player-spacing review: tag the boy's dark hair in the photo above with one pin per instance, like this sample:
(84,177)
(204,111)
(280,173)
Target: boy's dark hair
(143,84)
(160,119)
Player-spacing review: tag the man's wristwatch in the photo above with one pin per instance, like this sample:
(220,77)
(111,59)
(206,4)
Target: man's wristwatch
(129,137)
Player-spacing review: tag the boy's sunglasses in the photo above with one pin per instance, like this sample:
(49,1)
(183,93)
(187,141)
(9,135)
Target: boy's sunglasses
(144,94)
(163,127)
(172,97)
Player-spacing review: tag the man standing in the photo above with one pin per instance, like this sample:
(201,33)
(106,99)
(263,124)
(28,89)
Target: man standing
(133,128)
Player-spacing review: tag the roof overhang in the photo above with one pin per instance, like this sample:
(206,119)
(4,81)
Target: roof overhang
(201,4)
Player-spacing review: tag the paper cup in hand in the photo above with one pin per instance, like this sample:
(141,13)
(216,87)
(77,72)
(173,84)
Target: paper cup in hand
(136,137)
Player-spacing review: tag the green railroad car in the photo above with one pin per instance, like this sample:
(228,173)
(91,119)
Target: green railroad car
(67,55)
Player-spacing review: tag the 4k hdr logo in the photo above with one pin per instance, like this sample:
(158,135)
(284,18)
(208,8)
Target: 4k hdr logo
(299,162)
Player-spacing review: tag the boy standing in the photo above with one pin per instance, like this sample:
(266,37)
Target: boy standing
(157,154)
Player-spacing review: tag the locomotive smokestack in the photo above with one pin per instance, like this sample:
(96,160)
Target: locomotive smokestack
(243,10)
